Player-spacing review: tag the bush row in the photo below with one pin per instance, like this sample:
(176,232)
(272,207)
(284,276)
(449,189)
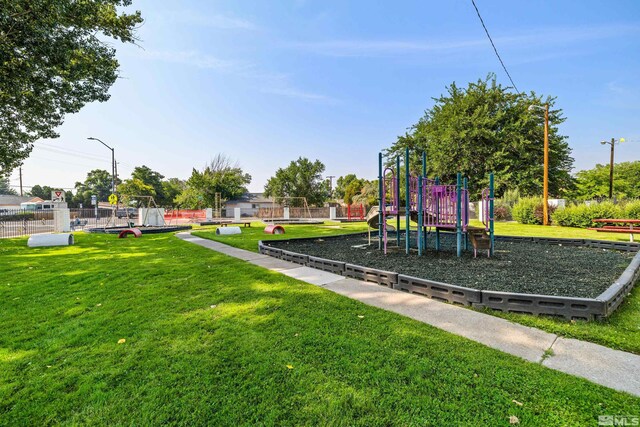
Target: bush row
(583,215)
(529,210)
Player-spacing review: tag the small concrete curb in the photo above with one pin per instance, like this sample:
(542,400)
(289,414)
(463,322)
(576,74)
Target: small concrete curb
(611,368)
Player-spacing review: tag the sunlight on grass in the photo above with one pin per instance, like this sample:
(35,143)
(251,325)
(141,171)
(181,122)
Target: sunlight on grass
(7,355)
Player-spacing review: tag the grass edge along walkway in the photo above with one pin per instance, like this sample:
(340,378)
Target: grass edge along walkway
(594,362)
(621,331)
(212,340)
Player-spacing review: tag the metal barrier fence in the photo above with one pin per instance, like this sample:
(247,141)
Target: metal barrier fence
(20,222)
(90,218)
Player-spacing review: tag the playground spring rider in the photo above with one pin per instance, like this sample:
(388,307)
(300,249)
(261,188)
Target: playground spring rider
(432,205)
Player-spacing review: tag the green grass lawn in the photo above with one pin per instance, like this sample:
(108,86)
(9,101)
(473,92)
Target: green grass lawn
(212,340)
(621,331)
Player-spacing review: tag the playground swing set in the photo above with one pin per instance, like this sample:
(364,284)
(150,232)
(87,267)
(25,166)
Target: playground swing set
(433,206)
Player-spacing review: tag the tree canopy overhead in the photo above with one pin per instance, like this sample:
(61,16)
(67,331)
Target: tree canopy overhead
(302,178)
(54,59)
(487,128)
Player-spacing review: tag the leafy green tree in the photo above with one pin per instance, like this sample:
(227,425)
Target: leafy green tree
(222,176)
(55,57)
(5,187)
(44,192)
(302,178)
(172,188)
(149,178)
(133,187)
(98,182)
(368,194)
(487,128)
(342,183)
(594,183)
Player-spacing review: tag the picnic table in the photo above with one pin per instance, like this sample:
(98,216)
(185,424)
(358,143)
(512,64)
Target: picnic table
(631,226)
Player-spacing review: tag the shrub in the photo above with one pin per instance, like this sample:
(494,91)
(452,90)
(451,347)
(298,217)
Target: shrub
(511,197)
(502,212)
(525,210)
(632,210)
(582,215)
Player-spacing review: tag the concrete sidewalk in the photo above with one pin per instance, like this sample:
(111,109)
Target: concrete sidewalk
(602,365)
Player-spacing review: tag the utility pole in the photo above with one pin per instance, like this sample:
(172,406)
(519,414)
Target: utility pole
(545,178)
(612,143)
(20,169)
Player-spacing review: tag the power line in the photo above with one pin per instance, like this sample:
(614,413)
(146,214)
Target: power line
(494,46)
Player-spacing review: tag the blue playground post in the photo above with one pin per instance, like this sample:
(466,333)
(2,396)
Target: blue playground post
(491,236)
(437,218)
(407,202)
(420,243)
(466,210)
(397,189)
(459,214)
(424,177)
(382,202)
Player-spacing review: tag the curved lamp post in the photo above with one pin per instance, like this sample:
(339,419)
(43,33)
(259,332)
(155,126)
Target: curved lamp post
(113,164)
(545,180)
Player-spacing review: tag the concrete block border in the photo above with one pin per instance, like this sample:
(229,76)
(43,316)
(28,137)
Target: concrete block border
(570,308)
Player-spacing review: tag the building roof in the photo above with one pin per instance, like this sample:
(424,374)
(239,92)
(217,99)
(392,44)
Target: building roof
(251,198)
(9,200)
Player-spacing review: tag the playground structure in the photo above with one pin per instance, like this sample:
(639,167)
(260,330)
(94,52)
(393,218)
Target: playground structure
(432,205)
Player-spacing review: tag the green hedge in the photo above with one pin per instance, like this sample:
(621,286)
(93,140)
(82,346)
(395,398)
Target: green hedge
(525,211)
(582,215)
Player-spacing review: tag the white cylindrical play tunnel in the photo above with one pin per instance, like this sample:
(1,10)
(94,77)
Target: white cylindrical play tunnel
(60,239)
(228,230)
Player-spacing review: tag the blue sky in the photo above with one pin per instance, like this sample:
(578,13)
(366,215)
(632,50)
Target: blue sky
(267,82)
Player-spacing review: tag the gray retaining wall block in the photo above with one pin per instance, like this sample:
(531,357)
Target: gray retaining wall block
(439,291)
(614,295)
(323,264)
(381,277)
(295,257)
(567,307)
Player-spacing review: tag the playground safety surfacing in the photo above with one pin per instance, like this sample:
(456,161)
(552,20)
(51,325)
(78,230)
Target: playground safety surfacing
(566,278)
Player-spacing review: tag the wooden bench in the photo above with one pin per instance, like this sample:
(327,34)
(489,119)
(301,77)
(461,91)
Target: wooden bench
(245,223)
(618,228)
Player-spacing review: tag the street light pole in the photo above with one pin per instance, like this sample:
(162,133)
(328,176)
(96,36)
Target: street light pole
(612,143)
(113,164)
(545,178)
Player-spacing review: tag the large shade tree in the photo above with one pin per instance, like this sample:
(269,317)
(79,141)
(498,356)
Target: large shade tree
(98,183)
(594,183)
(302,178)
(221,175)
(485,128)
(55,57)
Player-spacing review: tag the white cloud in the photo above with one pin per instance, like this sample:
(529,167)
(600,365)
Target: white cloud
(218,21)
(272,83)
(541,37)
(193,58)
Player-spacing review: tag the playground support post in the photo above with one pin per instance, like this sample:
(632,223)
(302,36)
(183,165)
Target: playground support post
(397,207)
(407,200)
(420,221)
(437,218)
(382,202)
(491,236)
(424,177)
(458,214)
(466,210)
